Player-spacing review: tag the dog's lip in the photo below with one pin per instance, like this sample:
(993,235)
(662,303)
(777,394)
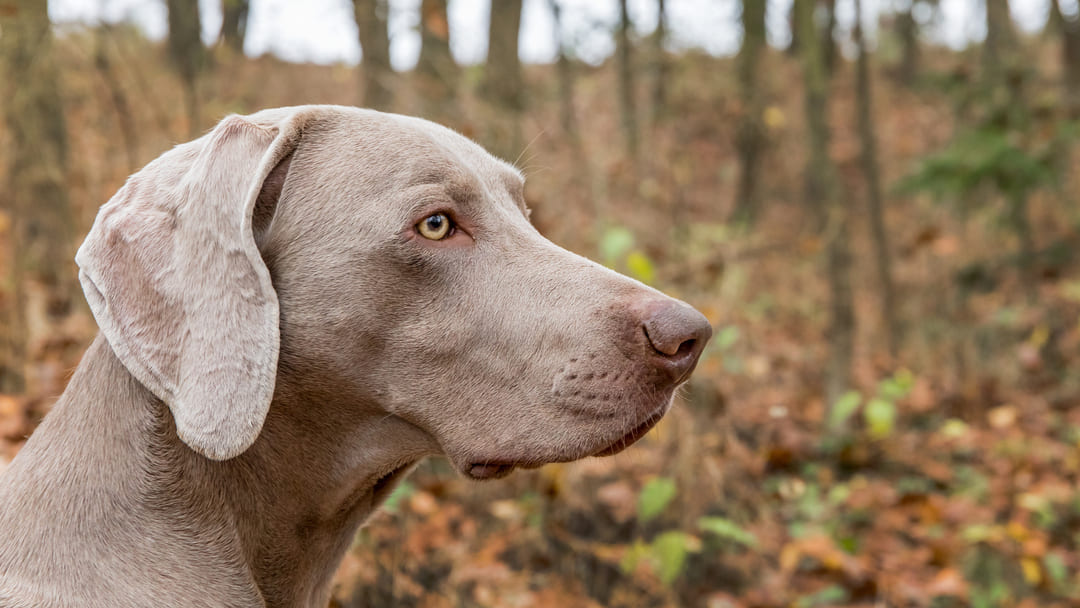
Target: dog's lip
(496,469)
(490,470)
(636,433)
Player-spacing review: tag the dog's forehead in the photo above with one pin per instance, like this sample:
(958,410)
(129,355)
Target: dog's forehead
(366,149)
(457,159)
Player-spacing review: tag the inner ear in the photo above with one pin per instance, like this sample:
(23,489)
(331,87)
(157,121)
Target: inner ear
(263,213)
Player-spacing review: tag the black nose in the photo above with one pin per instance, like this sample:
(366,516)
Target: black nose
(678,334)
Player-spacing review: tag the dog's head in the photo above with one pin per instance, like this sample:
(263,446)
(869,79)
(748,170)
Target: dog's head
(392,262)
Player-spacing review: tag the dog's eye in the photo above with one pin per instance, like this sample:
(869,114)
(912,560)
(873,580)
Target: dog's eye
(435,227)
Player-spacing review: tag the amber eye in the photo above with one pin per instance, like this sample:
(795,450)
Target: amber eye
(435,227)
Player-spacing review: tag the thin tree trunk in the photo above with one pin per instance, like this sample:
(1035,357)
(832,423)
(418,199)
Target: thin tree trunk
(121,107)
(1021,224)
(750,136)
(1070,55)
(565,72)
(829,49)
(624,65)
(825,38)
(1000,39)
(436,70)
(187,54)
(660,65)
(503,83)
(908,31)
(234,14)
(371,23)
(874,199)
(827,200)
(36,197)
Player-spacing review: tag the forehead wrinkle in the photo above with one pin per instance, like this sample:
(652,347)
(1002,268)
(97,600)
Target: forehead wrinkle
(464,167)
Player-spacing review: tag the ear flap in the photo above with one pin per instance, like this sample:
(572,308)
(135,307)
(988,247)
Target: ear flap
(174,278)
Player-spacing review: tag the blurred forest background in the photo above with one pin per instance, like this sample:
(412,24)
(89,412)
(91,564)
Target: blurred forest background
(881,228)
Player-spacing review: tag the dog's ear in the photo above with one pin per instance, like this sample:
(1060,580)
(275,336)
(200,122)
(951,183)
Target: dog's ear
(174,278)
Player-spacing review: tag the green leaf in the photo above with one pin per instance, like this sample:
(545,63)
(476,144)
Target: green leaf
(654,498)
(633,557)
(668,552)
(1056,569)
(844,408)
(727,530)
(726,338)
(640,267)
(897,387)
(880,417)
(829,596)
(615,242)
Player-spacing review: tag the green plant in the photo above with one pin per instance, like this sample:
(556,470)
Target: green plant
(617,249)
(879,412)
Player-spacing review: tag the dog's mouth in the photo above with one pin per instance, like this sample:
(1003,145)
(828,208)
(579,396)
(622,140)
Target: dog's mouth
(498,469)
(636,433)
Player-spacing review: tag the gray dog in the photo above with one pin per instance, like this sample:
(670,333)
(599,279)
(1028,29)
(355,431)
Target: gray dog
(294,310)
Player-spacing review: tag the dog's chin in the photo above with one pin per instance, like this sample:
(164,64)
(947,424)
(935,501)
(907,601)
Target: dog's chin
(499,468)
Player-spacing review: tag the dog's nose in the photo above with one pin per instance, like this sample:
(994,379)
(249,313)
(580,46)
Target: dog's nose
(678,333)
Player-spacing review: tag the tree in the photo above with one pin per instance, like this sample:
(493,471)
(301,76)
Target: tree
(908,31)
(750,136)
(502,84)
(825,38)
(234,14)
(624,65)
(826,199)
(660,64)
(436,69)
(36,197)
(186,53)
(874,199)
(1000,39)
(565,73)
(371,25)
(1070,54)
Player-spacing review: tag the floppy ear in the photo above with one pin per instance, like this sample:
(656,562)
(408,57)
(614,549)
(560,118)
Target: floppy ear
(173,276)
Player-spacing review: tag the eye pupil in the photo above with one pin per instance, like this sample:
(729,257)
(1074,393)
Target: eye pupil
(435,227)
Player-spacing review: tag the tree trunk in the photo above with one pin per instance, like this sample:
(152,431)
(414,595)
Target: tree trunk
(824,38)
(750,136)
(794,27)
(36,200)
(371,24)
(187,54)
(874,199)
(565,72)
(121,107)
(234,14)
(624,65)
(1021,225)
(1000,39)
(660,65)
(826,198)
(908,31)
(1070,54)
(437,72)
(829,49)
(503,84)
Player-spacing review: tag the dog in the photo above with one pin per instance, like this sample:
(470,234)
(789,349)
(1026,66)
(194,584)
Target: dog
(295,309)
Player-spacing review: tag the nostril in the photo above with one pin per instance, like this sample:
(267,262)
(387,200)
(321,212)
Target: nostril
(685,348)
(663,347)
(676,331)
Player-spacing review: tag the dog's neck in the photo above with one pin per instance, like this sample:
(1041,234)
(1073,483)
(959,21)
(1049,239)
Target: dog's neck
(271,524)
